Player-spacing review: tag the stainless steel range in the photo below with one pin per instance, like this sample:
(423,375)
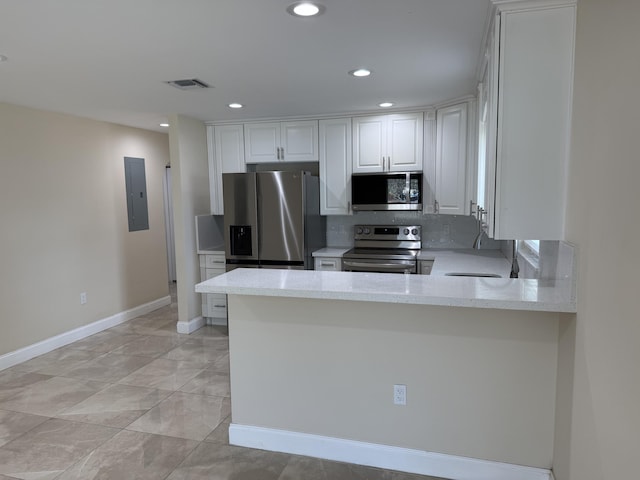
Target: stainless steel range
(384,249)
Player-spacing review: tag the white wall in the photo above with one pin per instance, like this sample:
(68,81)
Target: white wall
(598,427)
(190,177)
(480,383)
(64,223)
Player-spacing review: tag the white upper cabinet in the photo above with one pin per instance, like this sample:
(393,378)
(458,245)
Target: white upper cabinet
(335,166)
(388,143)
(281,142)
(226,155)
(451,160)
(369,144)
(532,100)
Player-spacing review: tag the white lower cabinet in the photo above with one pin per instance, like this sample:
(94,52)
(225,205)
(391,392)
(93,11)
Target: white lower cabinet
(214,305)
(328,263)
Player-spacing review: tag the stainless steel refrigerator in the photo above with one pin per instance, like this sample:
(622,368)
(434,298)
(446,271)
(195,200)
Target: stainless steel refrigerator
(272,219)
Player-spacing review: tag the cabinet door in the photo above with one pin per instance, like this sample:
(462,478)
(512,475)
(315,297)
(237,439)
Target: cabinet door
(261,142)
(299,141)
(487,128)
(535,90)
(491,127)
(225,146)
(369,144)
(429,162)
(335,166)
(229,148)
(451,159)
(404,142)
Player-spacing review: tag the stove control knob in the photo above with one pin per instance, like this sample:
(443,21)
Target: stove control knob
(367,231)
(359,230)
(406,231)
(414,231)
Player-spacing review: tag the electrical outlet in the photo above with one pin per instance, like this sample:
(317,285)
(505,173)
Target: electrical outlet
(83,298)
(399,394)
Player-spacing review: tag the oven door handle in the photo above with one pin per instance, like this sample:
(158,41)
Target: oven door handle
(376,267)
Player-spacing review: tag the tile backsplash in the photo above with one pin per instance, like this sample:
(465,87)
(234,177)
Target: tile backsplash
(438,231)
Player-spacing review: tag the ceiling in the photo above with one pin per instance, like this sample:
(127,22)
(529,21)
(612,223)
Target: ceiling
(109,59)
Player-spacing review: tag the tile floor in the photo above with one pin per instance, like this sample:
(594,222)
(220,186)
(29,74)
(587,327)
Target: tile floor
(139,401)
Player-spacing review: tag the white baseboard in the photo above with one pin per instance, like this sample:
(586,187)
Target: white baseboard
(45,346)
(190,326)
(381,456)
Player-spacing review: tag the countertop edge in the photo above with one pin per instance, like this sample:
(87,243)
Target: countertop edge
(554,303)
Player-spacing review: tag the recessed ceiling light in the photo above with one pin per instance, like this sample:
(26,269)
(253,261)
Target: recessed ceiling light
(305,9)
(235,105)
(3,58)
(360,72)
(165,125)
(385,104)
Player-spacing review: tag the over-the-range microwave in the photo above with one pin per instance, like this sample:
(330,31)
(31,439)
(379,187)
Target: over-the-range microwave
(386,191)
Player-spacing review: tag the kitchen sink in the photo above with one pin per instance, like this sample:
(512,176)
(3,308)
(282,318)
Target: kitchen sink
(470,274)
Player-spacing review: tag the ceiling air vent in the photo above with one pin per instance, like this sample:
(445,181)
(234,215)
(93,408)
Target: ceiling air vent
(188,84)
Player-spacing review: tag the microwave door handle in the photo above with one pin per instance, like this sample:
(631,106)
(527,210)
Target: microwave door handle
(408,188)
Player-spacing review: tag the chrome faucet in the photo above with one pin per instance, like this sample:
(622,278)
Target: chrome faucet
(478,241)
(515,268)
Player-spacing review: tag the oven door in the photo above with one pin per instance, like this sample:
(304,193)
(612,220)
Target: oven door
(378,265)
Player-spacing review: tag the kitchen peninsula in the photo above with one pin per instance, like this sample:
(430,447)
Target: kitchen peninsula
(315,355)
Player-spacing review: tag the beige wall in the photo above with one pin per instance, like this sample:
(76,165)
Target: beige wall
(480,383)
(190,178)
(599,414)
(64,223)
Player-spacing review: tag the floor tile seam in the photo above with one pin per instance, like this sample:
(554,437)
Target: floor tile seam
(88,379)
(116,430)
(201,395)
(92,452)
(182,463)
(195,364)
(26,431)
(195,393)
(146,432)
(199,371)
(168,394)
(87,422)
(154,355)
(80,364)
(196,446)
(119,382)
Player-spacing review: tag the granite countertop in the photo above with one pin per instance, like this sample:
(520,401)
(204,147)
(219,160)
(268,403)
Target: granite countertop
(501,293)
(213,249)
(467,261)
